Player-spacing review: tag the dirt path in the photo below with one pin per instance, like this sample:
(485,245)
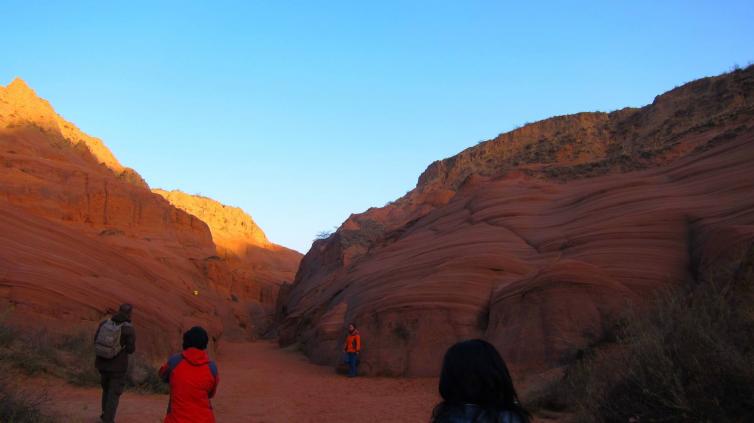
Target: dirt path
(261,383)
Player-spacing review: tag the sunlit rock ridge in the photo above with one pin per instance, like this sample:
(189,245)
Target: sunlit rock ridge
(537,239)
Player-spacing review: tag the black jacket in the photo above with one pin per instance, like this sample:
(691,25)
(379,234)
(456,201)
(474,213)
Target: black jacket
(119,363)
(471,413)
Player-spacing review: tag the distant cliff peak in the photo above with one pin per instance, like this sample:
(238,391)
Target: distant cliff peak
(18,85)
(20,106)
(227,223)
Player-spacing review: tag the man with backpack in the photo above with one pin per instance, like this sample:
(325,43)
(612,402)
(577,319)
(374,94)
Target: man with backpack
(114,341)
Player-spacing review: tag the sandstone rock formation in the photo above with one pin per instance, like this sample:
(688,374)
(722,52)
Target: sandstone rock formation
(20,106)
(80,233)
(257,266)
(537,239)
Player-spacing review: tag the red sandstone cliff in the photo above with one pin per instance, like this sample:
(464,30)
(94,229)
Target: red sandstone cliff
(537,238)
(257,266)
(79,233)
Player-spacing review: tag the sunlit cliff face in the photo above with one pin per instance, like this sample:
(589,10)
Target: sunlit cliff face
(81,234)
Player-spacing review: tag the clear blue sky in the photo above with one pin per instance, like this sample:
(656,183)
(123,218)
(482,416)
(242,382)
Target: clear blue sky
(304,112)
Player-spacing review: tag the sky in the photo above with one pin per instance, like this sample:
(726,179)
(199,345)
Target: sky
(304,112)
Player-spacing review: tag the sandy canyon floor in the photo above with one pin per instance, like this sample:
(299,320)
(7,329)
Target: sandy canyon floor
(260,382)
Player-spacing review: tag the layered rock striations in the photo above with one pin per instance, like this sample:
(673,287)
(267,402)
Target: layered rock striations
(80,233)
(258,266)
(538,239)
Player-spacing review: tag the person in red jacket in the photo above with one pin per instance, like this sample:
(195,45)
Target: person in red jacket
(193,380)
(352,349)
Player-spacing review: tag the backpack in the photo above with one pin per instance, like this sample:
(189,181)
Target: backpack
(107,344)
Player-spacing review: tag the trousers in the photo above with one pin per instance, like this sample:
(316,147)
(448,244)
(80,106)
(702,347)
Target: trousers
(112,387)
(353,363)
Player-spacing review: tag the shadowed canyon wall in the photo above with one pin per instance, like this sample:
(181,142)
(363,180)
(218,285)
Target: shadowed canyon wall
(80,233)
(257,266)
(536,240)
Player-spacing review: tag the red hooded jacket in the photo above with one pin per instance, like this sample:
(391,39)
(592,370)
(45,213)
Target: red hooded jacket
(193,381)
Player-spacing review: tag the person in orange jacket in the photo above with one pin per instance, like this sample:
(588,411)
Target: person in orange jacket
(193,380)
(352,349)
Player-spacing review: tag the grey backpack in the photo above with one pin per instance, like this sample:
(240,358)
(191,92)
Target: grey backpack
(107,345)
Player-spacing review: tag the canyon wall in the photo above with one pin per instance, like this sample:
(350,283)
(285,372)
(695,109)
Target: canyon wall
(539,239)
(80,233)
(257,266)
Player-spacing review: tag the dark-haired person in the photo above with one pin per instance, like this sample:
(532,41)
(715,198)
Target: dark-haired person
(193,380)
(352,349)
(476,387)
(114,341)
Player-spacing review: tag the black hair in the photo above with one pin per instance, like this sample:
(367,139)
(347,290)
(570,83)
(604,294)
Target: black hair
(195,337)
(474,373)
(126,309)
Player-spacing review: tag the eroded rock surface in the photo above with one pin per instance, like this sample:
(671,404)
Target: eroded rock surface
(258,266)
(537,239)
(80,233)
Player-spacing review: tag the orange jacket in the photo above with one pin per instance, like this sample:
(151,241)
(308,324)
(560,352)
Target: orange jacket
(353,342)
